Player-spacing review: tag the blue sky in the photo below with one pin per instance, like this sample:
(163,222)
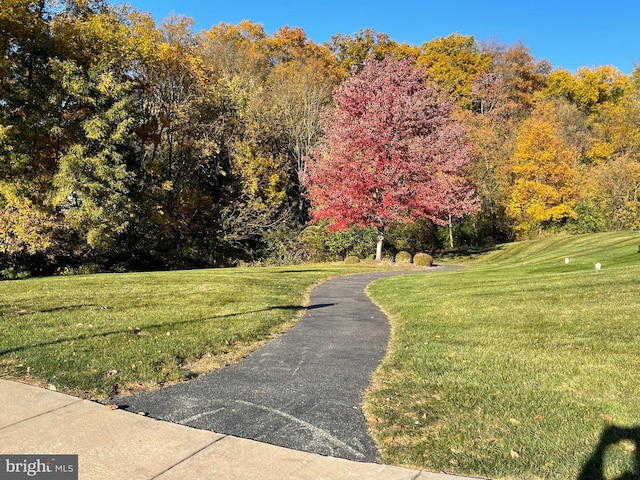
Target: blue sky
(569,34)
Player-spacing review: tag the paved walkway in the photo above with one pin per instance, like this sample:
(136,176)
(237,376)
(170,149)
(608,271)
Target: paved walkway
(317,424)
(302,390)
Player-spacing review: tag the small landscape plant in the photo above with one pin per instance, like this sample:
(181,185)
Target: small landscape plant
(403,257)
(423,259)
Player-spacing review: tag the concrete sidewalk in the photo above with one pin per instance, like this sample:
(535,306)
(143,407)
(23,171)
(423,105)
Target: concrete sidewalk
(115,444)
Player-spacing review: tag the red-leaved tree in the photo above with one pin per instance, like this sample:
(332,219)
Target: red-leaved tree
(391,153)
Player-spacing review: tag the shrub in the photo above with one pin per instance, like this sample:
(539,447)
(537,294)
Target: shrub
(403,257)
(590,219)
(322,245)
(416,236)
(13,273)
(351,259)
(283,246)
(423,259)
(88,269)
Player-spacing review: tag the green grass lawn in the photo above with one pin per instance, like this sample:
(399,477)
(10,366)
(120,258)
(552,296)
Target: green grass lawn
(93,335)
(513,367)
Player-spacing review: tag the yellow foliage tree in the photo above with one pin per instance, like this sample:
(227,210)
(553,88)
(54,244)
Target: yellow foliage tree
(455,63)
(24,228)
(544,178)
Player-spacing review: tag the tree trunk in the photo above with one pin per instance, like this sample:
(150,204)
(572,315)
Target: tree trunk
(450,232)
(379,245)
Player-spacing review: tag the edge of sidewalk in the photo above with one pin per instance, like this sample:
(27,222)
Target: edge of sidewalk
(114,444)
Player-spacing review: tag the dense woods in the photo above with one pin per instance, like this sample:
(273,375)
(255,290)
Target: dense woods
(130,145)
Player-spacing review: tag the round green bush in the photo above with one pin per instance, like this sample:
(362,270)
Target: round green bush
(403,257)
(351,259)
(423,259)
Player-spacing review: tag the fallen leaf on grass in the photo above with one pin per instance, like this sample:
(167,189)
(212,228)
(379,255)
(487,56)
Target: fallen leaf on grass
(514,454)
(373,422)
(388,440)
(513,421)
(538,417)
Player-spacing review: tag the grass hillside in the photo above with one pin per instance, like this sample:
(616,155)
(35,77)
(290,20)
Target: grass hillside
(513,367)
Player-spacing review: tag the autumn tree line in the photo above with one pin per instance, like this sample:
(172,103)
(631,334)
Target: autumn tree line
(130,145)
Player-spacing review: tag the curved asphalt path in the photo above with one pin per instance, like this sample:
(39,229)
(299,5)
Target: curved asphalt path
(303,390)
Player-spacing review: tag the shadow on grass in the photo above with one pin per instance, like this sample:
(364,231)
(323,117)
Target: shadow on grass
(157,326)
(594,469)
(306,270)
